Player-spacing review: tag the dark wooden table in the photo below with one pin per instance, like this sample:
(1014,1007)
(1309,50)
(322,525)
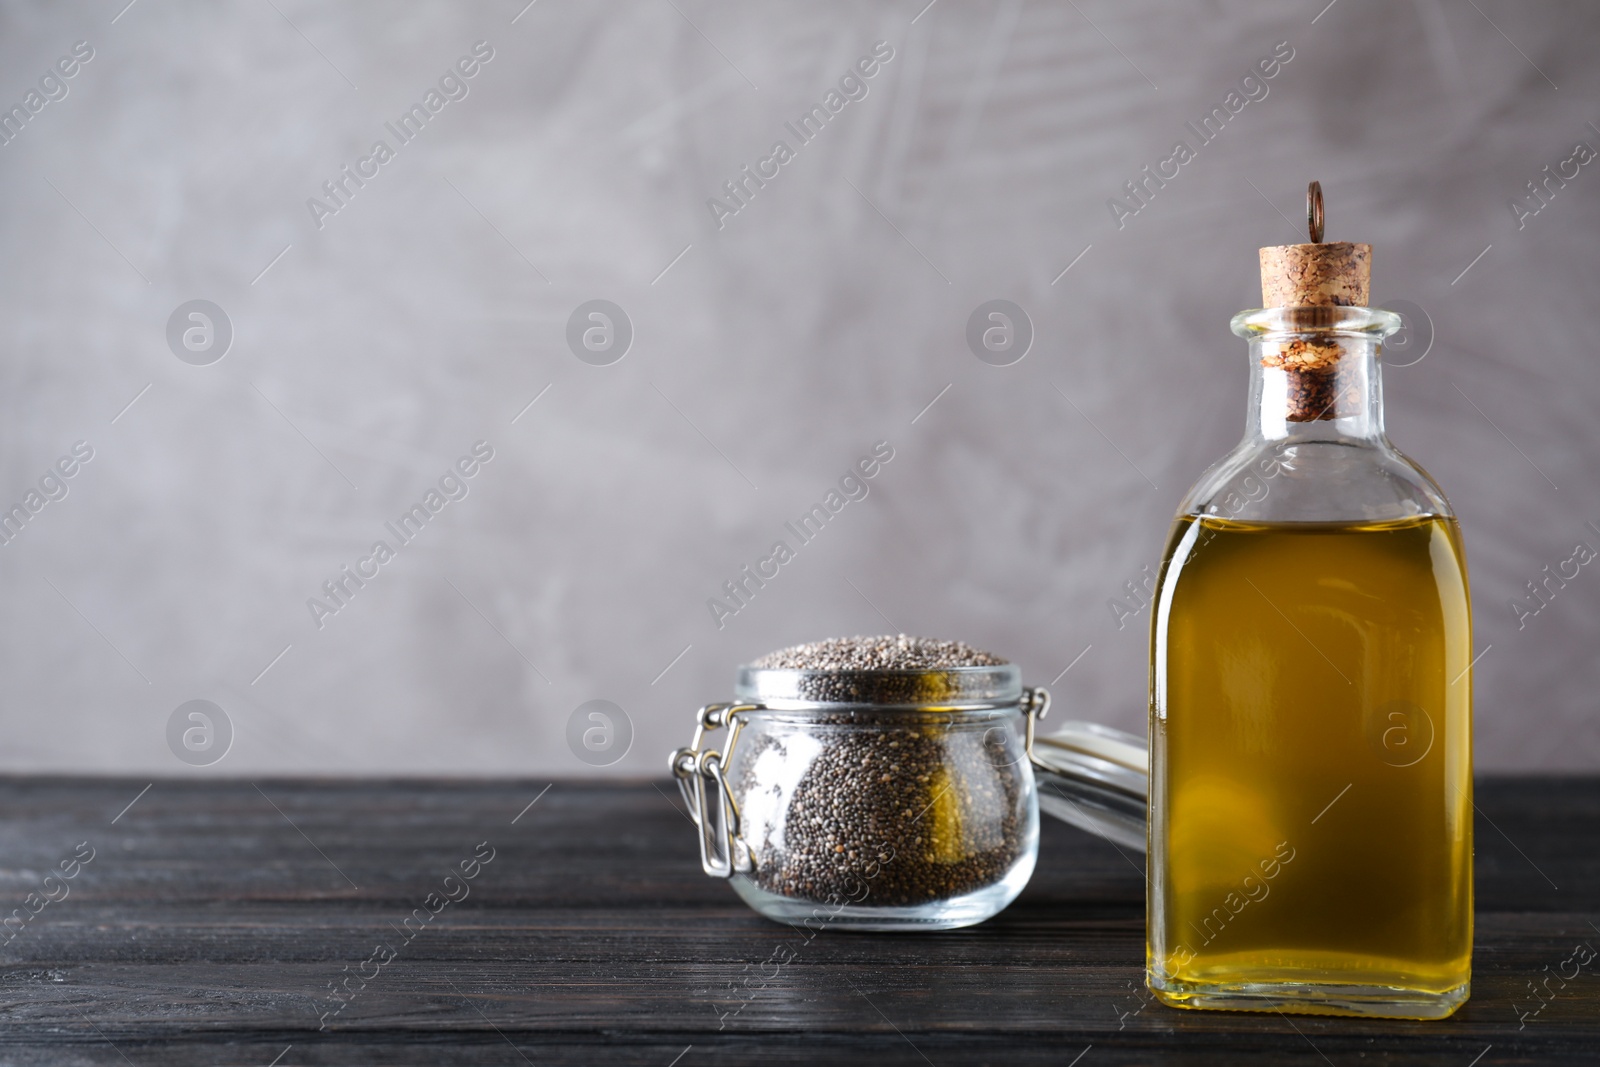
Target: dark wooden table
(215,917)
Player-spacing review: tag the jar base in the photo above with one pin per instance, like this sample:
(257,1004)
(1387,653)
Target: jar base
(1311,998)
(949,914)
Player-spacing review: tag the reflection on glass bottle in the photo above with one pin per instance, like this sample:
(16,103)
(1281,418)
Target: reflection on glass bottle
(1310,808)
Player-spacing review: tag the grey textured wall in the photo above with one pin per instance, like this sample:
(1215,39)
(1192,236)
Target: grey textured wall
(374,345)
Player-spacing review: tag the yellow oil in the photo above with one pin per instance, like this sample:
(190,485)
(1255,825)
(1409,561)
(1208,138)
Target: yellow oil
(1311,821)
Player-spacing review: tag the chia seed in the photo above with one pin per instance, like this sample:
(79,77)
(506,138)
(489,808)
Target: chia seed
(916,806)
(897,653)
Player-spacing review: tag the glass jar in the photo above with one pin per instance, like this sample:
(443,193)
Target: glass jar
(869,799)
(1310,704)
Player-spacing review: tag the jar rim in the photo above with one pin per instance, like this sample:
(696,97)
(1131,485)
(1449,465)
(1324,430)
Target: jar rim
(941,689)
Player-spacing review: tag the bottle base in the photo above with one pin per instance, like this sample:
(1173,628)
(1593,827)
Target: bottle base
(1311,998)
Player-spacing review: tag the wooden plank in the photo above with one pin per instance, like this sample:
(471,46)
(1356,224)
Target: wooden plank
(214,915)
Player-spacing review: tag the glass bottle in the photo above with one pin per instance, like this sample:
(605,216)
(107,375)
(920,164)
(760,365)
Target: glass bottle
(1310,700)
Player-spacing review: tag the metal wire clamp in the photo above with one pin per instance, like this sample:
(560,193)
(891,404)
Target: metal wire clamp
(722,851)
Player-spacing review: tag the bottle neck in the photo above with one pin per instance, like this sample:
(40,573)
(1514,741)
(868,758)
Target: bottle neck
(1329,388)
(1314,374)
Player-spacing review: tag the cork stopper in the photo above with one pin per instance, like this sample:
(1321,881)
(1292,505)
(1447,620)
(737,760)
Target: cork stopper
(1314,275)
(1338,274)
